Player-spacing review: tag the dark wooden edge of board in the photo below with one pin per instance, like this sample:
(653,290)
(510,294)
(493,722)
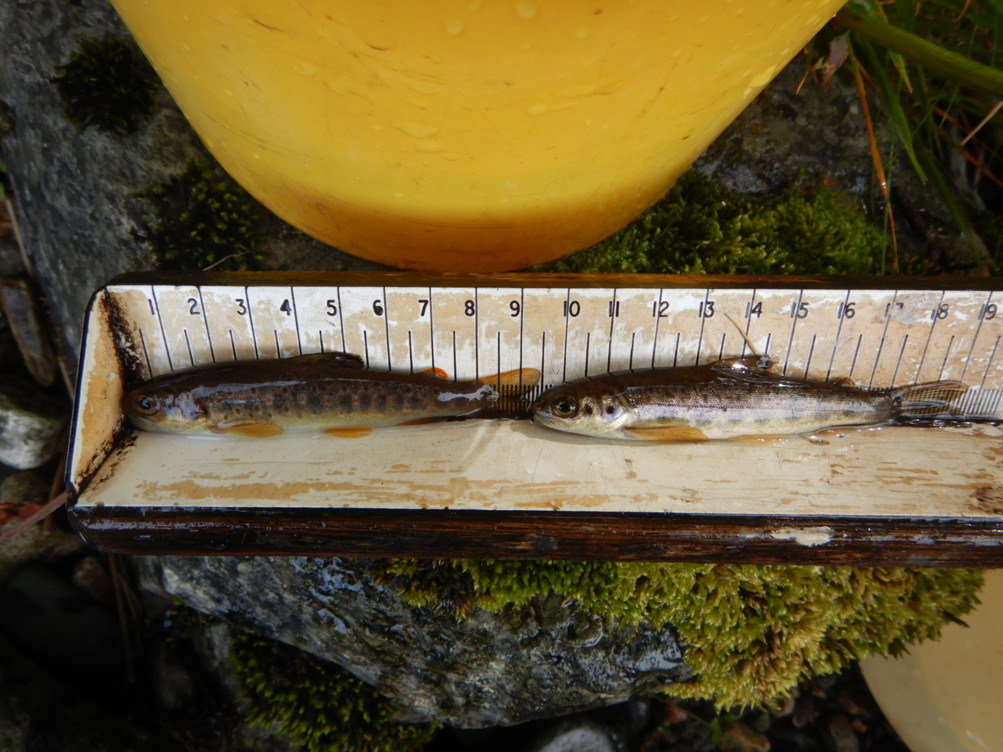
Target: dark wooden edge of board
(540,535)
(544,279)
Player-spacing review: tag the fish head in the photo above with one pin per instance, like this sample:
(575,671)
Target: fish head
(582,408)
(153,409)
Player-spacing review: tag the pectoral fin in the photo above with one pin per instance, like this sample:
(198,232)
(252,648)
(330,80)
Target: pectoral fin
(256,430)
(355,432)
(675,434)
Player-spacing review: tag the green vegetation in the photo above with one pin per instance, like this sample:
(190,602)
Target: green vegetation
(317,704)
(108,85)
(701,226)
(750,632)
(200,218)
(935,68)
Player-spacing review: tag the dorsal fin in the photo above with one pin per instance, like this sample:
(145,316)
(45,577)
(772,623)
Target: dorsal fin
(745,367)
(332,359)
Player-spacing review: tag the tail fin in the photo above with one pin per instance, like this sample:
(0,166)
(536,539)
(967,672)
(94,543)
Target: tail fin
(519,380)
(930,401)
(512,388)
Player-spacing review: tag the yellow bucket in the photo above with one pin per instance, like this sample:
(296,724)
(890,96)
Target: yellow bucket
(471,135)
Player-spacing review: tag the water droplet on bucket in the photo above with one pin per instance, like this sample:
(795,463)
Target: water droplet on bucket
(525,8)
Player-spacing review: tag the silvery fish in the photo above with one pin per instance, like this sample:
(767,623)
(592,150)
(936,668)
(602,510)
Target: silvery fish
(330,392)
(729,399)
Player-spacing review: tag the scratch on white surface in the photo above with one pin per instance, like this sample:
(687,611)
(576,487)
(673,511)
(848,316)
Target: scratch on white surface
(807,536)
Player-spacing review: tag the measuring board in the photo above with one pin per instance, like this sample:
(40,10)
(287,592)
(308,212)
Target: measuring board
(508,488)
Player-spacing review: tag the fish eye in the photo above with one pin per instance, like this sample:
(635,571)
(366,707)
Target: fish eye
(565,407)
(146,404)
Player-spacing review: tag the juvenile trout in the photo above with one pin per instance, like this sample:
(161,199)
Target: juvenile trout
(331,392)
(737,397)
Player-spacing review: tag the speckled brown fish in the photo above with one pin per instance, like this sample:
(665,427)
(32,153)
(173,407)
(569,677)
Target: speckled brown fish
(330,392)
(733,398)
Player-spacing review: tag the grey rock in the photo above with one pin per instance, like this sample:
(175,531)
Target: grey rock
(815,131)
(37,543)
(488,670)
(63,629)
(23,487)
(73,190)
(38,714)
(31,423)
(575,735)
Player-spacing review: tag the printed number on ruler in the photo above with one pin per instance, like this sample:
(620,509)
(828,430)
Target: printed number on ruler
(873,337)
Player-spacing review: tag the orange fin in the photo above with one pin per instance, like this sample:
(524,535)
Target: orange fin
(765,440)
(667,433)
(526,377)
(436,372)
(355,432)
(260,430)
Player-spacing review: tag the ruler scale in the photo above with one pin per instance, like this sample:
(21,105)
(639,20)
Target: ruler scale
(889,336)
(876,332)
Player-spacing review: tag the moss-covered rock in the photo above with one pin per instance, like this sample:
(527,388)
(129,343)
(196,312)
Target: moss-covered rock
(197,219)
(701,226)
(108,85)
(317,704)
(750,632)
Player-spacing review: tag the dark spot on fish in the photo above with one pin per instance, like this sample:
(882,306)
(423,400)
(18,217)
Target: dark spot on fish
(610,409)
(236,411)
(588,410)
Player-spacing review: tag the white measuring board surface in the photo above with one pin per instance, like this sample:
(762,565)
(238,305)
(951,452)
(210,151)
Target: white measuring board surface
(875,334)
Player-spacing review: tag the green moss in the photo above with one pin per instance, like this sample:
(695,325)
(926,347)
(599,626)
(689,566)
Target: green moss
(701,226)
(197,219)
(317,704)
(750,632)
(108,85)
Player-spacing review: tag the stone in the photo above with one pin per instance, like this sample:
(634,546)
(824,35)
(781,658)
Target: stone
(92,576)
(31,423)
(73,190)
(23,488)
(575,735)
(37,543)
(487,670)
(62,629)
(39,714)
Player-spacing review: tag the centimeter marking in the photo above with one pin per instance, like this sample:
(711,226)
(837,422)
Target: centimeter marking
(879,338)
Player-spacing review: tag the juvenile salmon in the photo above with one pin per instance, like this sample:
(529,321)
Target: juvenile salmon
(330,392)
(729,399)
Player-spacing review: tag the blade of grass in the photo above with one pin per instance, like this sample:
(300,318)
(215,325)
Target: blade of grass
(879,168)
(953,66)
(889,95)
